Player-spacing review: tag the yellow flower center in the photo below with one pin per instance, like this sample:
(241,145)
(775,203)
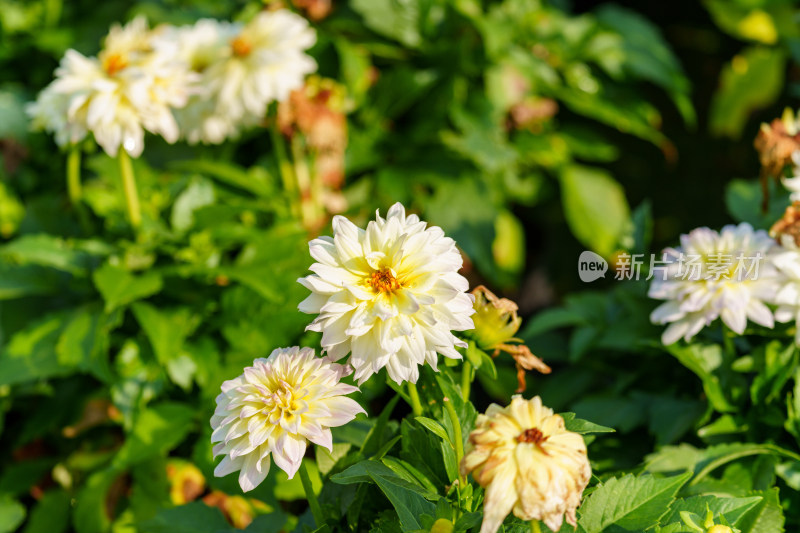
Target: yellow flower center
(113,63)
(383,281)
(241,47)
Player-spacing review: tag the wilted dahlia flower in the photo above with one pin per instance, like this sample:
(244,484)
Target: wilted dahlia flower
(264,62)
(273,408)
(129,88)
(712,275)
(390,295)
(528,463)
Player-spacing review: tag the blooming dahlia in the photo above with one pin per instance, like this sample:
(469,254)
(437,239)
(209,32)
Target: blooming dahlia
(388,295)
(712,275)
(528,463)
(274,408)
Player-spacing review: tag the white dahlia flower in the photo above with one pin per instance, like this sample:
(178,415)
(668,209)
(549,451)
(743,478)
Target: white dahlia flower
(200,46)
(264,62)
(389,295)
(129,88)
(528,463)
(712,275)
(787,288)
(274,408)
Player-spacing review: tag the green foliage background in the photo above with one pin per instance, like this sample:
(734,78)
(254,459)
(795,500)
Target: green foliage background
(657,105)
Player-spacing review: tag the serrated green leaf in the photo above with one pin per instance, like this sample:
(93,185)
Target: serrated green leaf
(633,503)
(766,517)
(731,508)
(408,499)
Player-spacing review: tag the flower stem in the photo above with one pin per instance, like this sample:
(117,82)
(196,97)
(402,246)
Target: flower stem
(313,503)
(535,528)
(129,189)
(413,394)
(285,168)
(74,189)
(458,437)
(74,176)
(466,380)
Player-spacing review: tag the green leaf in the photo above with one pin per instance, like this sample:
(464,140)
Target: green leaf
(31,353)
(392,19)
(583,427)
(119,287)
(51,513)
(195,517)
(45,250)
(408,499)
(434,427)
(595,207)
(731,508)
(716,456)
(646,55)
(633,503)
(743,200)
(766,517)
(19,281)
(706,362)
(18,477)
(199,193)
(255,181)
(89,515)
(12,513)
(84,343)
(752,80)
(776,364)
(551,319)
(167,330)
(156,431)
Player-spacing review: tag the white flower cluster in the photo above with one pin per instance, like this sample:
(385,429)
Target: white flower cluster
(761,282)
(203,83)
(389,295)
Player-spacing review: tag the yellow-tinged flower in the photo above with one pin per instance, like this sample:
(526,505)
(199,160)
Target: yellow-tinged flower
(273,408)
(528,463)
(496,323)
(389,295)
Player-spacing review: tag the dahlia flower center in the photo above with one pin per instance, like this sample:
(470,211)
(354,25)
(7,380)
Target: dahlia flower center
(113,63)
(285,399)
(532,435)
(384,281)
(241,46)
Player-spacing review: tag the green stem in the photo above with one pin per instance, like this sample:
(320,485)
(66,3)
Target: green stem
(466,380)
(74,189)
(316,510)
(74,176)
(535,528)
(285,168)
(458,437)
(413,395)
(129,189)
